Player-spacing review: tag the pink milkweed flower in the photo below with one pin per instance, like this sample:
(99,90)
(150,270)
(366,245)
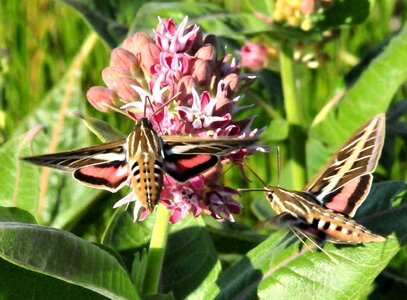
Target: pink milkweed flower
(177,81)
(200,115)
(175,39)
(221,203)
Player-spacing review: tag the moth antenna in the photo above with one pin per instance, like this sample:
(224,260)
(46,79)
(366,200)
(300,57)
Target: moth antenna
(160,108)
(154,112)
(252,190)
(255,174)
(164,104)
(145,105)
(227,170)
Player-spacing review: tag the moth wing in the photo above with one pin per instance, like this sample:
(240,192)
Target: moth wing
(111,175)
(103,166)
(182,167)
(69,161)
(194,145)
(349,168)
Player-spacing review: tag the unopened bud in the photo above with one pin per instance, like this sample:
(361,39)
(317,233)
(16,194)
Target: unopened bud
(150,56)
(136,43)
(124,60)
(102,98)
(120,83)
(202,71)
(185,87)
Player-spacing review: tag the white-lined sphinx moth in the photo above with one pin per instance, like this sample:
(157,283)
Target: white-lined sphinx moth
(141,160)
(325,207)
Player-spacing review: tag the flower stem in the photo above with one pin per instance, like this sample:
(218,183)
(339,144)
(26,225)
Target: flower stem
(296,139)
(156,251)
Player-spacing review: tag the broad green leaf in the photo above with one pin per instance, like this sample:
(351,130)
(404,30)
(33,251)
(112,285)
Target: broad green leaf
(232,237)
(64,256)
(123,234)
(20,283)
(103,130)
(19,180)
(344,12)
(370,94)
(190,262)
(110,19)
(210,17)
(14,214)
(277,130)
(282,266)
(138,269)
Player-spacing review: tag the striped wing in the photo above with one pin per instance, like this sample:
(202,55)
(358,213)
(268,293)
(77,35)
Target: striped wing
(345,181)
(195,145)
(187,157)
(103,166)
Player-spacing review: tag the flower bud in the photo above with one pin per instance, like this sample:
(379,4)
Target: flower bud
(208,53)
(136,43)
(202,71)
(185,86)
(254,55)
(120,83)
(150,56)
(102,98)
(124,60)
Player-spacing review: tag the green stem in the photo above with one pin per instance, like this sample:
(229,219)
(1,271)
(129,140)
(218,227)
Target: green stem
(296,139)
(156,251)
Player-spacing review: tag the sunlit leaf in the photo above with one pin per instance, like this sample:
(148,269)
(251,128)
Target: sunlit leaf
(370,94)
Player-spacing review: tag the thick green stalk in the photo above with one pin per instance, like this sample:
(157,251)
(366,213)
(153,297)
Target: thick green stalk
(296,139)
(156,251)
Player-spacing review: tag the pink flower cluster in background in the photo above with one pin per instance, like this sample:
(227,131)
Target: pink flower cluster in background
(180,62)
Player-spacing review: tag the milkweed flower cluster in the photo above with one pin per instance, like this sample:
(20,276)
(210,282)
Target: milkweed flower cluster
(180,64)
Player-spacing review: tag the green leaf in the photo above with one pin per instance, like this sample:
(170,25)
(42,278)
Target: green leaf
(370,95)
(138,269)
(64,256)
(19,181)
(14,214)
(103,130)
(190,262)
(232,237)
(277,130)
(344,12)
(123,234)
(110,19)
(211,18)
(282,266)
(19,283)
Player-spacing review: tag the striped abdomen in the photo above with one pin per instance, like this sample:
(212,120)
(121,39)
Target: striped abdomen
(300,210)
(144,149)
